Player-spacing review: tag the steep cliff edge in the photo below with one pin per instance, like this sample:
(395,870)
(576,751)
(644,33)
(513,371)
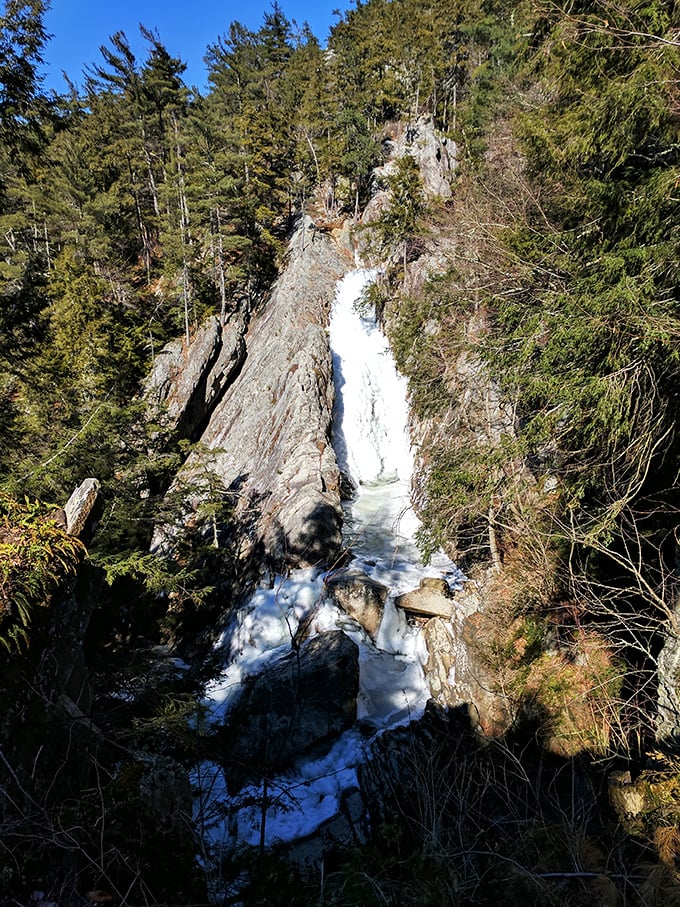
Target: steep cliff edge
(265,442)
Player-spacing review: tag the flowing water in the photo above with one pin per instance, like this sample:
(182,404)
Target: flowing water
(371,441)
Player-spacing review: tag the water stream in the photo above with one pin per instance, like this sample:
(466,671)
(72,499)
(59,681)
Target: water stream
(372,446)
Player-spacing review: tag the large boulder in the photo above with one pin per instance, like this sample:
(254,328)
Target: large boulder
(304,700)
(359,596)
(431,599)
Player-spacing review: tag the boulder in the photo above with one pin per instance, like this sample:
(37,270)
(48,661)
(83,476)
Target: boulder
(431,599)
(304,700)
(359,596)
(436,584)
(82,509)
(407,778)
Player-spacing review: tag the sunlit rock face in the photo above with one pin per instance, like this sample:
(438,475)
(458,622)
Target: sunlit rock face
(266,446)
(187,381)
(433,152)
(668,709)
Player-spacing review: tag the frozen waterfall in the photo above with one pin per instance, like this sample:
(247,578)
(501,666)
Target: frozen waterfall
(372,444)
(371,441)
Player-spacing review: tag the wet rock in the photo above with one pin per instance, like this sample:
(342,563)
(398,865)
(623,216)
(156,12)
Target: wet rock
(428,600)
(359,596)
(304,700)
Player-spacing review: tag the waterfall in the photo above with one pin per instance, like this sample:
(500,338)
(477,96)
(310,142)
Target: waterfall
(371,412)
(372,445)
(370,434)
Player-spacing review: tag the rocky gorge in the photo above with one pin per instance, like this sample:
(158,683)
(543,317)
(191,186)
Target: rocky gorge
(256,396)
(340,666)
(357,370)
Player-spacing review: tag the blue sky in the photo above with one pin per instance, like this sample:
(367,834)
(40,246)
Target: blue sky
(186,27)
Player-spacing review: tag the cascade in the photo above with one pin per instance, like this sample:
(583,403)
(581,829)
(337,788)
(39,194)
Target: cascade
(372,447)
(370,434)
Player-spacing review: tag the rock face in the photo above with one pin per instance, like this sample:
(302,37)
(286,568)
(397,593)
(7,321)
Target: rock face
(441,658)
(456,674)
(408,776)
(187,381)
(266,441)
(63,676)
(668,671)
(434,154)
(360,596)
(304,700)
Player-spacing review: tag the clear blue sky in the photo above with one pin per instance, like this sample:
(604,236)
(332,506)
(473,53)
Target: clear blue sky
(186,27)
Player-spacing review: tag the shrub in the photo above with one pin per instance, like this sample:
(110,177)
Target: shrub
(36,556)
